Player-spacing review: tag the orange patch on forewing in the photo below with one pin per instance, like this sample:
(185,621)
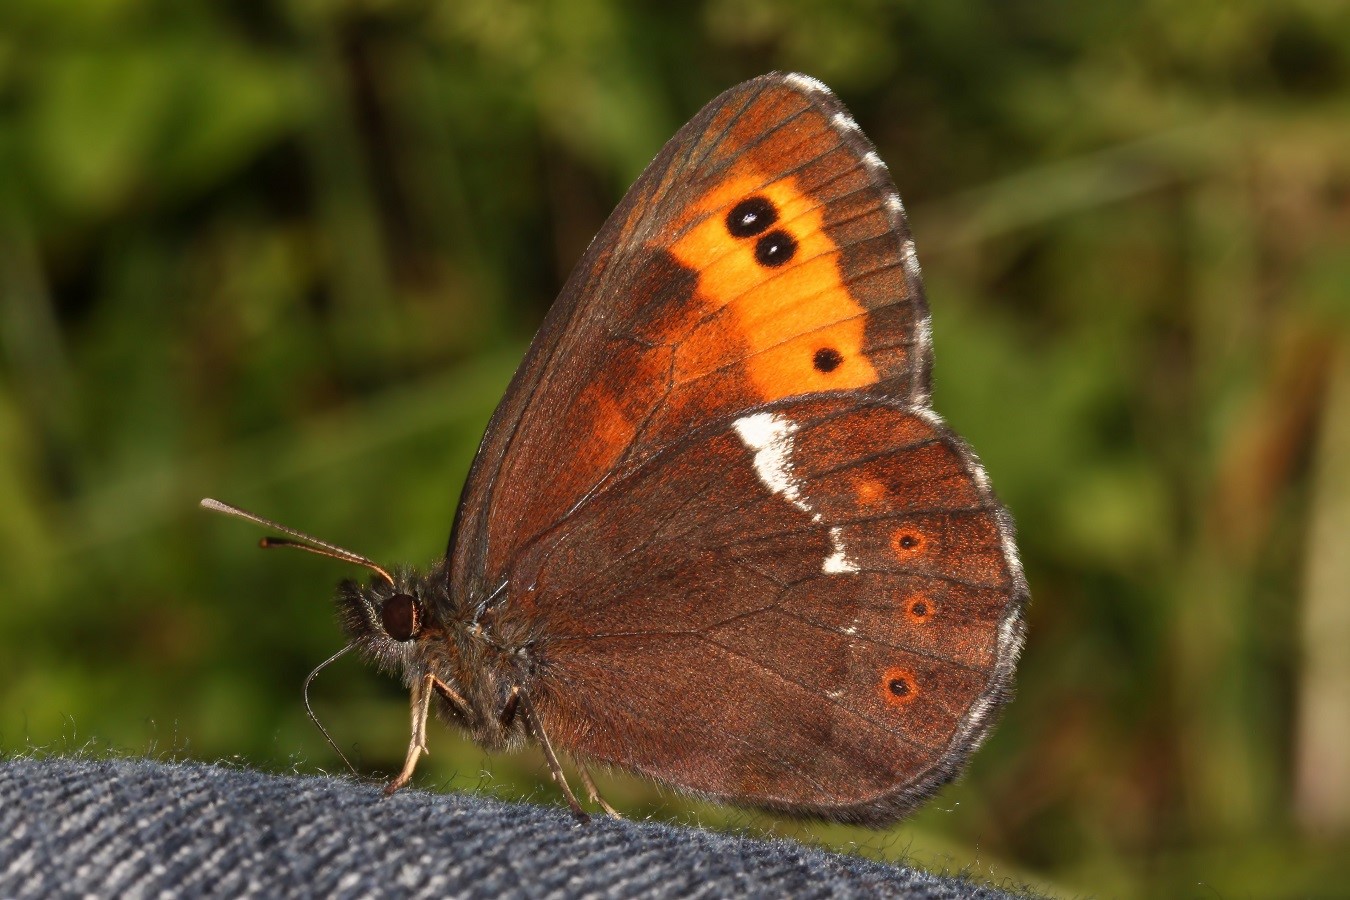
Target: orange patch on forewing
(783,314)
(898,687)
(610,429)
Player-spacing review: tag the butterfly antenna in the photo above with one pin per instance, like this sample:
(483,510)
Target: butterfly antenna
(315,719)
(301,540)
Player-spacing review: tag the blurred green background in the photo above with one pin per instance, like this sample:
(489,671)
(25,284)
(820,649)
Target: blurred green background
(289,254)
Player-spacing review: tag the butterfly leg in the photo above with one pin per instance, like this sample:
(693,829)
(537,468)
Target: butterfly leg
(420,704)
(555,767)
(450,695)
(591,791)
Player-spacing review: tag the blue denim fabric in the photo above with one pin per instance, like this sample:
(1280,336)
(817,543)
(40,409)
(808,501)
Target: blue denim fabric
(141,828)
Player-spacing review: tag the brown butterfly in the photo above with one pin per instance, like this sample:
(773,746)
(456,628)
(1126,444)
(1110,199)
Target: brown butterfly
(714,533)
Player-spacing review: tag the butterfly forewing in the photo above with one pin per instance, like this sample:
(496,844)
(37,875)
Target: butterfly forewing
(689,306)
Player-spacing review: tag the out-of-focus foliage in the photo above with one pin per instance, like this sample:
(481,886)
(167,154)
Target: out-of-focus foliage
(289,254)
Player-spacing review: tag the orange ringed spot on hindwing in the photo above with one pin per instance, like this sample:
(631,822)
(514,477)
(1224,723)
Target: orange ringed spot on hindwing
(908,542)
(898,687)
(919,609)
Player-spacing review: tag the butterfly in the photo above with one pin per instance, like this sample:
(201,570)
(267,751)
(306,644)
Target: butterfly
(714,533)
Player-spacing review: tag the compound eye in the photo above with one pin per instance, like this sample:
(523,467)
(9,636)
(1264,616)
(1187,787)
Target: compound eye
(401,617)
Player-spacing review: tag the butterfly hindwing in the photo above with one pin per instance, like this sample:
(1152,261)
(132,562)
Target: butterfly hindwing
(844,621)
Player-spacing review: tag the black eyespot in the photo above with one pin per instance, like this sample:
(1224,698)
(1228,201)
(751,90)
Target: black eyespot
(899,687)
(909,541)
(751,217)
(401,617)
(775,248)
(827,359)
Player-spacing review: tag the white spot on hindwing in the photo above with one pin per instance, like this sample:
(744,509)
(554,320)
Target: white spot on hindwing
(770,436)
(838,561)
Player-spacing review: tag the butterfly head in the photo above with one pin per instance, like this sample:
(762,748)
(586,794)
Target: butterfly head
(406,623)
(388,621)
(392,621)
